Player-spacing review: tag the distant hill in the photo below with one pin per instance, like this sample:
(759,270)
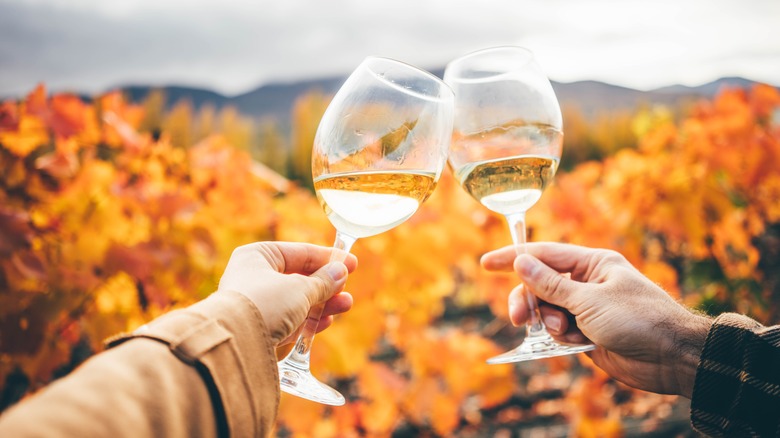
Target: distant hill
(198,97)
(276,100)
(268,101)
(708,89)
(591,97)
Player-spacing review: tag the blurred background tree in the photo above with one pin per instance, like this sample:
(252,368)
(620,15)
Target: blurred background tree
(306,114)
(112,213)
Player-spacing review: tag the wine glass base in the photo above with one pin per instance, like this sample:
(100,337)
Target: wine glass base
(302,383)
(540,347)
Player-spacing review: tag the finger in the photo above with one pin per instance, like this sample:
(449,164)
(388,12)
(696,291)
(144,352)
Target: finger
(338,303)
(324,283)
(500,259)
(573,337)
(560,323)
(324,323)
(518,307)
(580,261)
(560,256)
(299,258)
(555,319)
(548,284)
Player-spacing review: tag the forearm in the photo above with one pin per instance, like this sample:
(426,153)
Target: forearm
(139,389)
(737,388)
(197,371)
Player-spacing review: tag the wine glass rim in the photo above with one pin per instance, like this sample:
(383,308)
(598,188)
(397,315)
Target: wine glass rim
(448,69)
(448,95)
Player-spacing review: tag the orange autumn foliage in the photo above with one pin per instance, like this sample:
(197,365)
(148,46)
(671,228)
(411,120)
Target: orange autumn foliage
(104,226)
(701,193)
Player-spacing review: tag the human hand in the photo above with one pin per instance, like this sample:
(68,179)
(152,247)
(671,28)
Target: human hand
(644,338)
(284,280)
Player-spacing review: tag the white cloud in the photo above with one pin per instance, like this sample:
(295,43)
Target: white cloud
(234,45)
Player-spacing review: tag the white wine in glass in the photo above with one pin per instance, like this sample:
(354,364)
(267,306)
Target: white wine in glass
(378,153)
(506,146)
(365,203)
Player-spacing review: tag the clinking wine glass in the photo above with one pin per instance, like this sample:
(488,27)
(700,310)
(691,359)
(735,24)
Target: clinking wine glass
(378,153)
(506,147)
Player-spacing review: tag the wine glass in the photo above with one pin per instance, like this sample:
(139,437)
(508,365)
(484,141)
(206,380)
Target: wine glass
(506,147)
(378,153)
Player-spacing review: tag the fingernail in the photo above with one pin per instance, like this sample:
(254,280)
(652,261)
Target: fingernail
(553,323)
(528,265)
(337,271)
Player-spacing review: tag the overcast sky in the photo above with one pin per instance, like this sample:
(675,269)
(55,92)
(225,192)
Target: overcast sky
(232,46)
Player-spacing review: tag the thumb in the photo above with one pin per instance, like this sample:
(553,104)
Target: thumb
(325,282)
(547,283)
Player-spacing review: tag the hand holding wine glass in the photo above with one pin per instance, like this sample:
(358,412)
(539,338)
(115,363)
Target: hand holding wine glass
(647,339)
(506,147)
(378,153)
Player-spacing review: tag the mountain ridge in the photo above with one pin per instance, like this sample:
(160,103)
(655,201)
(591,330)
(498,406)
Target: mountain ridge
(275,100)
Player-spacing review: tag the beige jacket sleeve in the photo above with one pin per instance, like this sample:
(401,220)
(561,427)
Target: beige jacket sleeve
(207,370)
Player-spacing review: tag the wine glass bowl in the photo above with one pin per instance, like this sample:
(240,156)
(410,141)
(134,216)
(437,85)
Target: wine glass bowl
(517,163)
(381,147)
(506,146)
(378,153)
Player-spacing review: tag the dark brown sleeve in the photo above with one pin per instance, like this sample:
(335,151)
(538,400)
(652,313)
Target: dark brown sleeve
(203,371)
(737,387)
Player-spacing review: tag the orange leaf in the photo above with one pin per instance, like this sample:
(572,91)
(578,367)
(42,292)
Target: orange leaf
(9,116)
(444,414)
(60,165)
(15,230)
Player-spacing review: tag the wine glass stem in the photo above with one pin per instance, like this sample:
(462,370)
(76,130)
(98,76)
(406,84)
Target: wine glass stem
(300,354)
(534,326)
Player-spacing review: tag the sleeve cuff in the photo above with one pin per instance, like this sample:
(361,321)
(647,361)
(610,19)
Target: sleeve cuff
(720,376)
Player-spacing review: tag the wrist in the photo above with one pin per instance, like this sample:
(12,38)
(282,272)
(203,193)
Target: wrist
(689,343)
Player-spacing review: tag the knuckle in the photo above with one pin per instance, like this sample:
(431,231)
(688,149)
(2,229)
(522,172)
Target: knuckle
(316,286)
(612,257)
(606,259)
(270,252)
(242,249)
(255,246)
(554,285)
